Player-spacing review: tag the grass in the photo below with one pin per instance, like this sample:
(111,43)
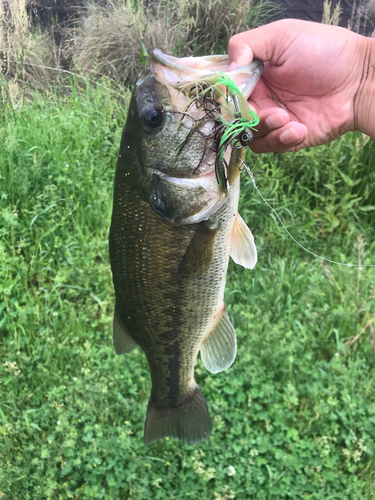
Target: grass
(294,417)
(114,39)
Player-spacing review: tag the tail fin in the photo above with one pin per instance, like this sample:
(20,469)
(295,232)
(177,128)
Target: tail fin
(190,422)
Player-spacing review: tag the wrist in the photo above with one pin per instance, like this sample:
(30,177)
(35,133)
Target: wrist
(364,99)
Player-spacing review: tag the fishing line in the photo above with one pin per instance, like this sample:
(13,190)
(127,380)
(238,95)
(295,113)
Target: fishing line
(230,132)
(290,235)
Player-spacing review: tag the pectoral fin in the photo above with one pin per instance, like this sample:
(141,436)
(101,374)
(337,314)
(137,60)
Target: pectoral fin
(198,256)
(122,339)
(219,348)
(242,246)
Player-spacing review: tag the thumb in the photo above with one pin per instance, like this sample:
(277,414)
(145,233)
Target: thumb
(260,43)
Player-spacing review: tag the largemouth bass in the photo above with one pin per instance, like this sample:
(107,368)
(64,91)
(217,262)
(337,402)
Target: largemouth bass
(171,235)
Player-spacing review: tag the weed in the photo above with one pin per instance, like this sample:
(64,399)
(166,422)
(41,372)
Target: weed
(362,16)
(331,16)
(116,38)
(24,55)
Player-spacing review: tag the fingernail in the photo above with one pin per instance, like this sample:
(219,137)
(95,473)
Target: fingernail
(275,121)
(289,136)
(232,66)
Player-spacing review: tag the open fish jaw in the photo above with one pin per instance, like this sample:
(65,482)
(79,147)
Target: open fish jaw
(178,72)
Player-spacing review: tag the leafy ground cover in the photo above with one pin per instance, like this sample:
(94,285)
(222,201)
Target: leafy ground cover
(294,417)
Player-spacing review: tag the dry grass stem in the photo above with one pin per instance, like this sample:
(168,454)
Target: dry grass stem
(331,16)
(114,40)
(362,310)
(330,276)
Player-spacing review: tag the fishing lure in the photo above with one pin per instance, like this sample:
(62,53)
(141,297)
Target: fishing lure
(206,94)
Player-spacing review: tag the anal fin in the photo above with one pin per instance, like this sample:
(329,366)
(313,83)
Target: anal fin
(219,348)
(242,247)
(190,422)
(122,339)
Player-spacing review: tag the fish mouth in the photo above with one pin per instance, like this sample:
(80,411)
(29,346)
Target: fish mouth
(178,72)
(174,74)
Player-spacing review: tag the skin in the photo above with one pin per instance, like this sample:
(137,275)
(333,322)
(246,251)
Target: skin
(318,83)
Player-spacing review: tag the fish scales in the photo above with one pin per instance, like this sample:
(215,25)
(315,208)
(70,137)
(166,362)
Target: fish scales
(155,302)
(169,275)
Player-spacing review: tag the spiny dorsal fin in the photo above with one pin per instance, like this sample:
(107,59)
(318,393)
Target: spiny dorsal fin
(122,339)
(242,246)
(190,422)
(198,256)
(219,348)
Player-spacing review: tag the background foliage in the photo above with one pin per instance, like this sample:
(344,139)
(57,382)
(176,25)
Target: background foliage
(294,417)
(114,38)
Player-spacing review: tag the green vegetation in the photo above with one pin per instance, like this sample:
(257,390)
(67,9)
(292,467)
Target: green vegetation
(294,417)
(114,38)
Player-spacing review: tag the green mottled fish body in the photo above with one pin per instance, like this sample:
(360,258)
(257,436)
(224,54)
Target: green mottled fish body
(171,236)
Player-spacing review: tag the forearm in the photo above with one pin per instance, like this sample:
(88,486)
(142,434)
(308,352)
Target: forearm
(364,100)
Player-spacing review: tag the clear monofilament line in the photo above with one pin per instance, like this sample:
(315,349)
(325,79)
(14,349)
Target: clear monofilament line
(290,235)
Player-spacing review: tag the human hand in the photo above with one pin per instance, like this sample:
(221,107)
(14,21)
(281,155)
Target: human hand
(318,83)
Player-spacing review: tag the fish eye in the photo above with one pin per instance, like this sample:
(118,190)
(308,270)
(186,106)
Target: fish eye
(246,138)
(153,117)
